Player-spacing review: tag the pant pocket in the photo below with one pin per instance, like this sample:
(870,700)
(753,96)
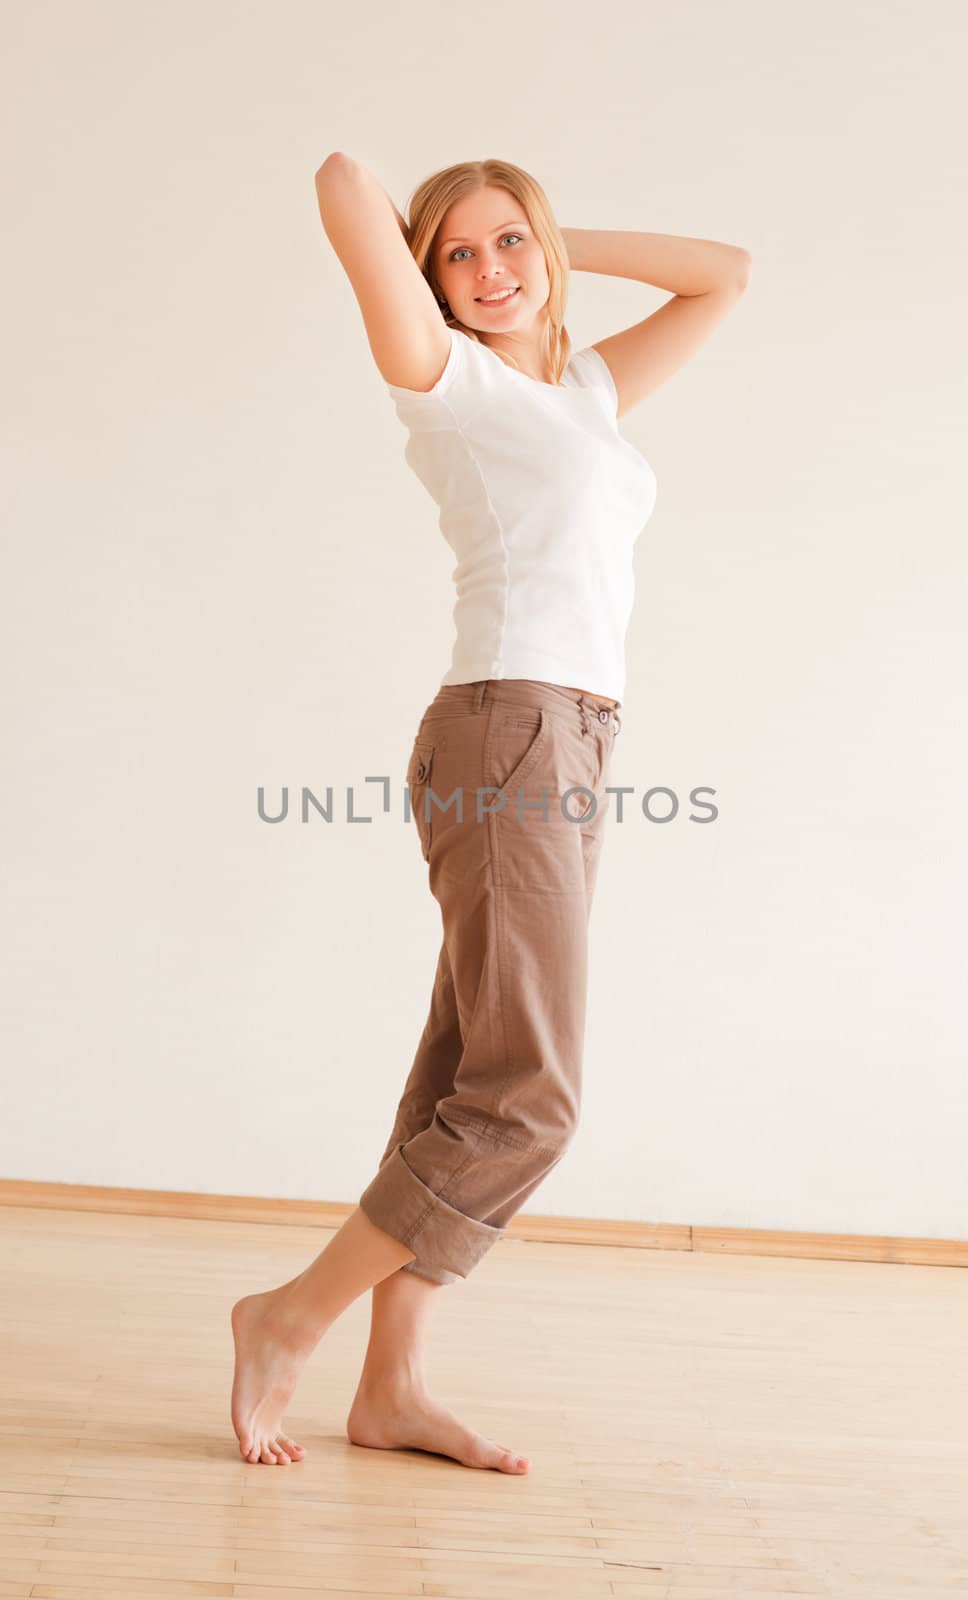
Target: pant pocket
(419,772)
(515,743)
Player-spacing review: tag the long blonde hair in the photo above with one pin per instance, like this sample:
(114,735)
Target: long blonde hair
(428,206)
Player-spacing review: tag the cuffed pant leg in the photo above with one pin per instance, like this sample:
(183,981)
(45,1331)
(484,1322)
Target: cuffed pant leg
(447,1242)
(493,1097)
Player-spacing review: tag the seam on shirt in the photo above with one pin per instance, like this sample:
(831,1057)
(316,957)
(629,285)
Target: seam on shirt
(496,519)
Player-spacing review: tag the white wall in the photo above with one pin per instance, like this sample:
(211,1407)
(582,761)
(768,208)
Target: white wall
(219,573)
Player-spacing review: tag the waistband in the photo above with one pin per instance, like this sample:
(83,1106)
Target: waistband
(551,697)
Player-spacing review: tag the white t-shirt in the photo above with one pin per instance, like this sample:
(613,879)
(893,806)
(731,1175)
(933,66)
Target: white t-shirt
(541,500)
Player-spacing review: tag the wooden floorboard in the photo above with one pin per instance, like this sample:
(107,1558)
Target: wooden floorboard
(700,1425)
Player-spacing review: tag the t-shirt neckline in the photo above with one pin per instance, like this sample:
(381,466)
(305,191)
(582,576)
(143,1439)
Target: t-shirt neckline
(525,375)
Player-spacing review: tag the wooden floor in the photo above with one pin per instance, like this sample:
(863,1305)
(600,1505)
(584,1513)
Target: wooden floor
(700,1426)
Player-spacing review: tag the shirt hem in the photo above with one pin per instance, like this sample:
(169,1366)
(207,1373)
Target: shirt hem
(544,668)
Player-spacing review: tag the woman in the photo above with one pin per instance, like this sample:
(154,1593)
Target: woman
(541,499)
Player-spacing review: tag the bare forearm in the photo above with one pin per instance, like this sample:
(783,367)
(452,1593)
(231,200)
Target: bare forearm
(667,260)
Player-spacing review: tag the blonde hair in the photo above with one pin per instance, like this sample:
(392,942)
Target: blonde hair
(431,200)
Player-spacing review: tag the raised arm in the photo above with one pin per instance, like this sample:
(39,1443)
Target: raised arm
(707,279)
(407,334)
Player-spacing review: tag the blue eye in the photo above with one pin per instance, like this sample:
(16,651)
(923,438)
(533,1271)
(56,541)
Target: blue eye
(461,247)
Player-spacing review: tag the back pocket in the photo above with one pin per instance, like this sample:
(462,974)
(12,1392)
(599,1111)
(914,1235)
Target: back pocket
(419,771)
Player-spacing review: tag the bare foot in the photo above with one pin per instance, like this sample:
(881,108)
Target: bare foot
(267,1367)
(402,1418)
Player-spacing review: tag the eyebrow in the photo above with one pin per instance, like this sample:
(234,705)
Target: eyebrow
(501,225)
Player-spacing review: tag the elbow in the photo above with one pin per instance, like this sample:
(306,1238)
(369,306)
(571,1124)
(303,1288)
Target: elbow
(336,161)
(744,266)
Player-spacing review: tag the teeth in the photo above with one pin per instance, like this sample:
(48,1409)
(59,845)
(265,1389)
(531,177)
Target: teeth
(488,299)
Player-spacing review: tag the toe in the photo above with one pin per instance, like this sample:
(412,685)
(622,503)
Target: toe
(290,1445)
(282,1455)
(267,1456)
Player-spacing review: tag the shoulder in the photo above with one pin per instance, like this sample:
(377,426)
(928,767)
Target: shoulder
(589,369)
(460,369)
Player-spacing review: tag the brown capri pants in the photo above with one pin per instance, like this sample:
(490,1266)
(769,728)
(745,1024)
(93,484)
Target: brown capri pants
(493,1096)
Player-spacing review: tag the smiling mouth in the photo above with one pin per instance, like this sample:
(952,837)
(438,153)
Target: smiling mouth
(502,299)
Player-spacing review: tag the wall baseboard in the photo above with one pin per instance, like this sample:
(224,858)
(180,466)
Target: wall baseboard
(550,1230)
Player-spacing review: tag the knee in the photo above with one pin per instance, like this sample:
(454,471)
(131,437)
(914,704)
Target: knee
(549,1121)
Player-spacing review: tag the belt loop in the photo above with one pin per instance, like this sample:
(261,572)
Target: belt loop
(584,714)
(479,694)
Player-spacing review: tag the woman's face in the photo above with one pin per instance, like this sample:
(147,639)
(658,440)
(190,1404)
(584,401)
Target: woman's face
(485,245)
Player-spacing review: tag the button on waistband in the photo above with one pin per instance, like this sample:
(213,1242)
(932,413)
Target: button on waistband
(603,716)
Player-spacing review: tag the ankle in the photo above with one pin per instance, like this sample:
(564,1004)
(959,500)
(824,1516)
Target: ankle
(292,1322)
(399,1381)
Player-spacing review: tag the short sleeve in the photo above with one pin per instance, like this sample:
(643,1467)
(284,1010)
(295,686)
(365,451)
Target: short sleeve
(593,372)
(415,397)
